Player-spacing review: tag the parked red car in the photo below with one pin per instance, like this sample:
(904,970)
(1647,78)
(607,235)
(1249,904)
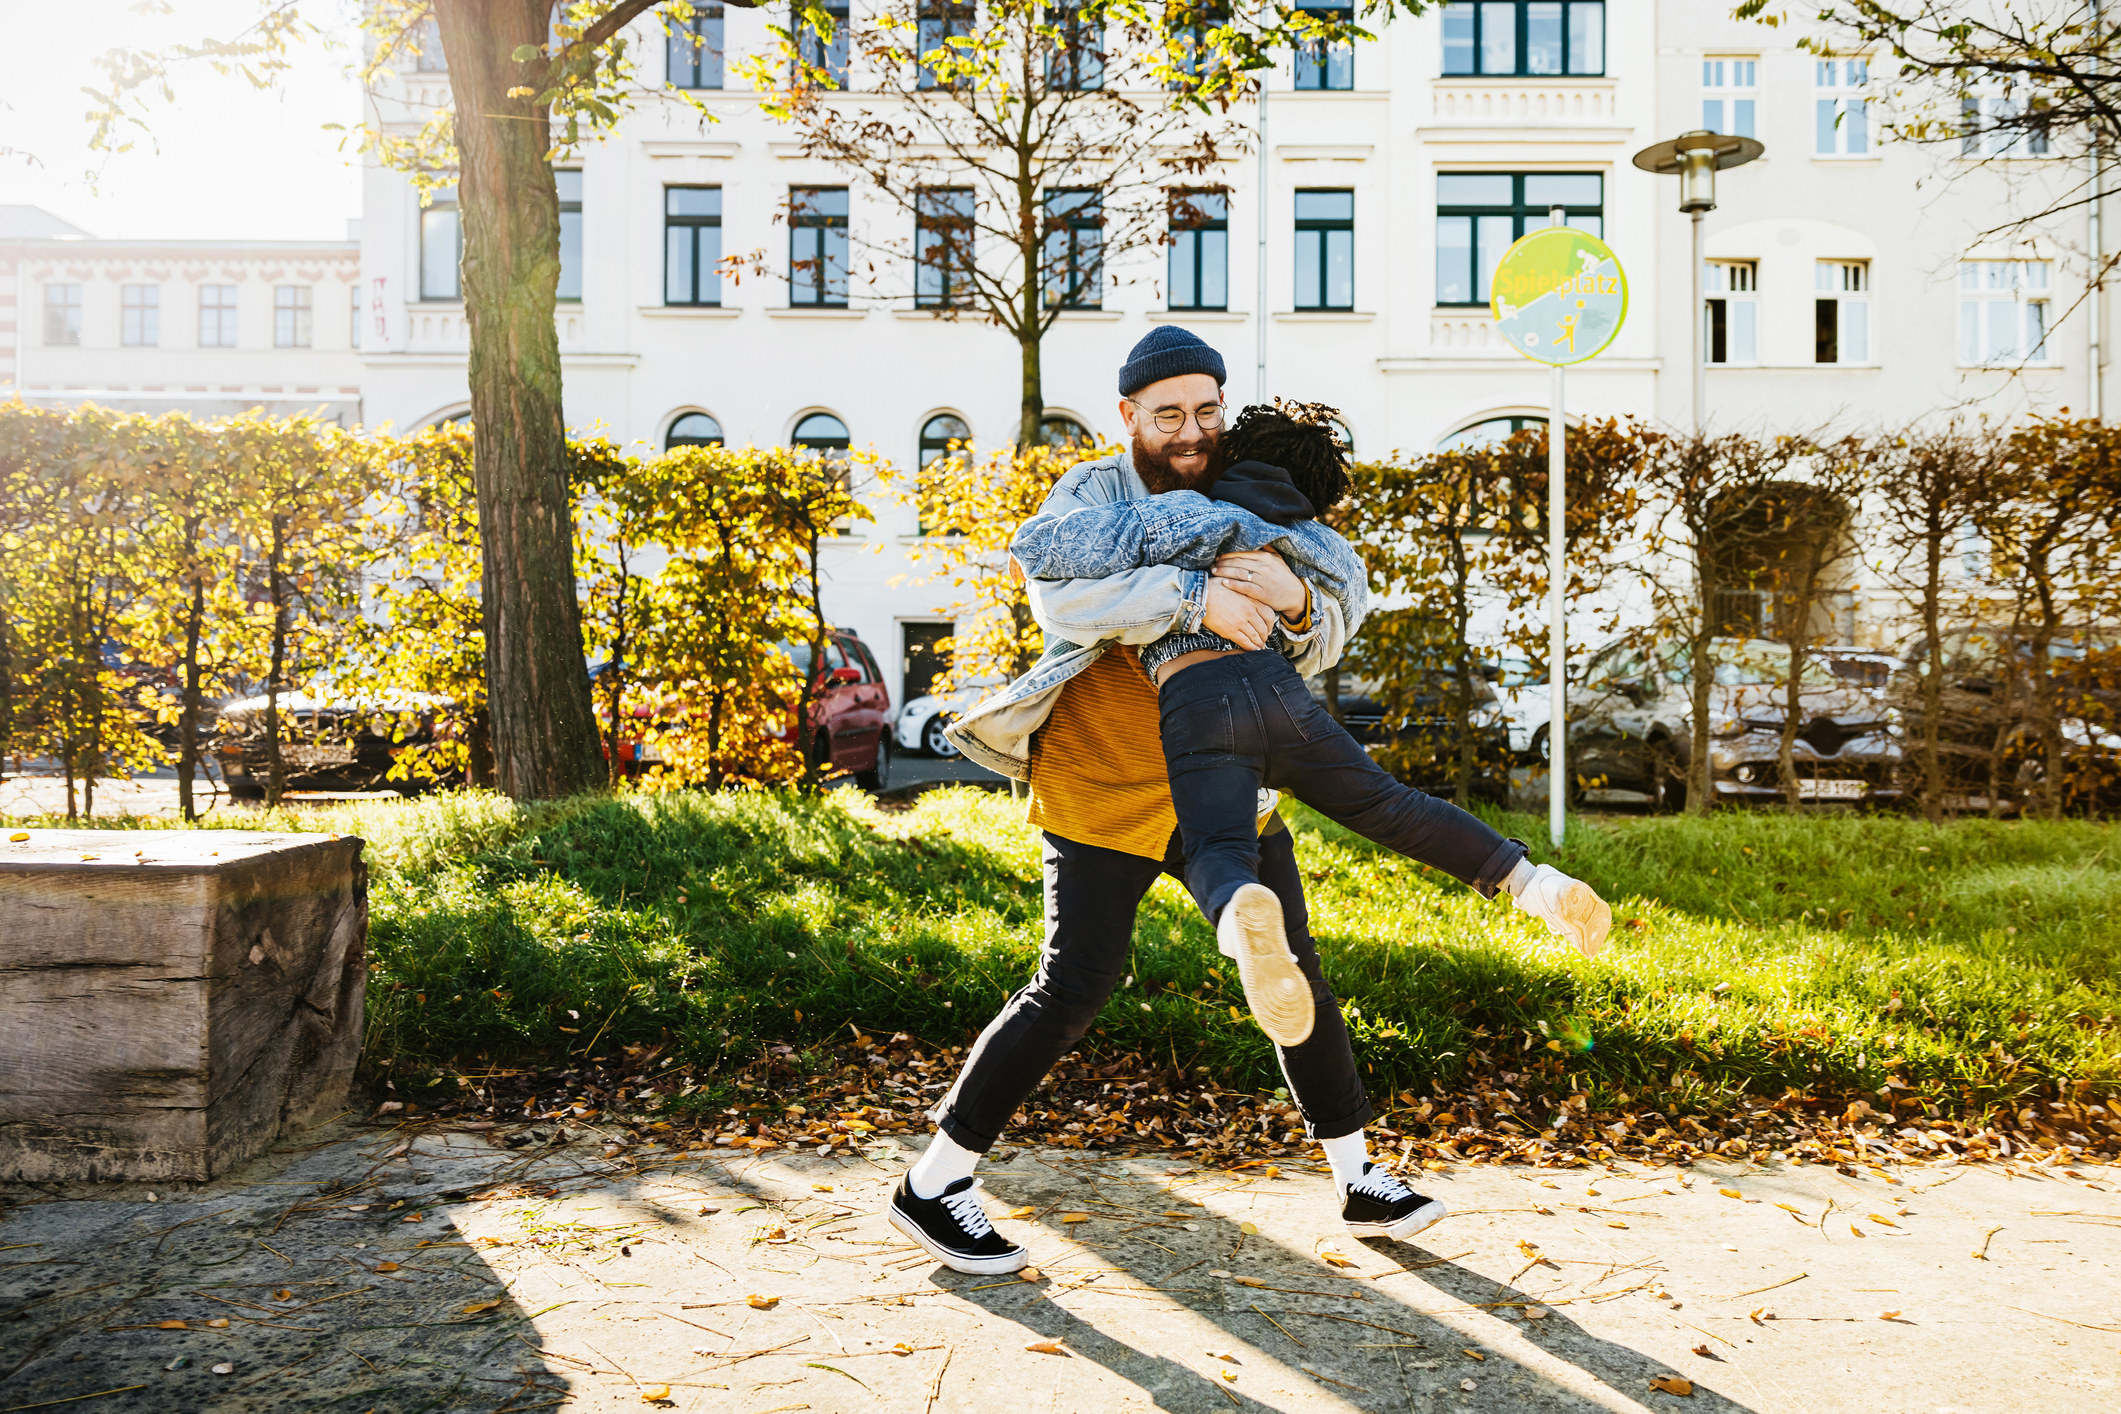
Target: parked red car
(850,715)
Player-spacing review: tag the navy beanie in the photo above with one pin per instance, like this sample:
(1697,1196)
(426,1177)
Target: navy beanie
(1166,352)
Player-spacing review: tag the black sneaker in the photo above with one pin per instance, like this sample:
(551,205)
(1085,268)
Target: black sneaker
(1379,1205)
(954,1229)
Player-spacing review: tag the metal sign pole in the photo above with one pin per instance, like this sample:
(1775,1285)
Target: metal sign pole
(1557,587)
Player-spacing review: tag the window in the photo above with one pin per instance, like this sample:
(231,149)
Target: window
(1190,21)
(694,429)
(1729,93)
(1842,125)
(1730,317)
(1320,65)
(426,37)
(1841,316)
(1992,125)
(1075,244)
(141,316)
(696,49)
(441,246)
(817,246)
(692,245)
(814,51)
(943,436)
(942,247)
(1200,250)
(825,436)
(1479,215)
(290,317)
(2003,311)
(940,22)
(1489,431)
(62,314)
(1325,250)
(926,658)
(353,317)
(568,182)
(217,316)
(1524,37)
(1059,430)
(1078,58)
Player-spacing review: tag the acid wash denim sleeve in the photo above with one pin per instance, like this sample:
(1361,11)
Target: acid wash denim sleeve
(1187,530)
(1137,605)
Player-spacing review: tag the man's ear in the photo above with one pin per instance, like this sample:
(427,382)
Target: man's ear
(1126,415)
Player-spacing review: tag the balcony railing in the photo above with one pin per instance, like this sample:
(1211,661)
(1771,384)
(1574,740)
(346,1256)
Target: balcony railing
(1524,101)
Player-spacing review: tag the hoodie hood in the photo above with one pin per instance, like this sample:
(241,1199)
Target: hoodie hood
(1264,490)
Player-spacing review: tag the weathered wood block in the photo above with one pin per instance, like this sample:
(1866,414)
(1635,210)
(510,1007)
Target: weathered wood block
(172,1001)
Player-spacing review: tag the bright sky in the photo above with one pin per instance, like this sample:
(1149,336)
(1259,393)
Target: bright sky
(223,161)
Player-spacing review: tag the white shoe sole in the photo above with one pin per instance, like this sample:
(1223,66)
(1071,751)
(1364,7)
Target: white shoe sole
(1420,1220)
(1251,934)
(1584,917)
(971,1266)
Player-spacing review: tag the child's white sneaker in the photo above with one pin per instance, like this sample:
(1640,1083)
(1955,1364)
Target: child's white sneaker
(1570,907)
(1250,933)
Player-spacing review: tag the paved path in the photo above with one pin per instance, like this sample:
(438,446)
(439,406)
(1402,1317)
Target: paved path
(355,1273)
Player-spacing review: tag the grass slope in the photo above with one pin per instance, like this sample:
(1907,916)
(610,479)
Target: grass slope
(1973,965)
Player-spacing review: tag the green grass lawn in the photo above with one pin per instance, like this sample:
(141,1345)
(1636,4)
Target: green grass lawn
(1973,966)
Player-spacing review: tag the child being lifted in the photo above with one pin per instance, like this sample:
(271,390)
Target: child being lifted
(1234,722)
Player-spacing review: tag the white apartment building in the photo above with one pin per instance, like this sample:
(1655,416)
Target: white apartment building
(214,328)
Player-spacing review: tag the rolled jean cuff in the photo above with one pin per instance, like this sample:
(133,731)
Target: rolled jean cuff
(960,1132)
(1498,867)
(1334,1129)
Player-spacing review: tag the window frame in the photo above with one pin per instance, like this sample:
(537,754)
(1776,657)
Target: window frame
(673,440)
(1521,211)
(1985,104)
(1725,298)
(1479,12)
(687,46)
(812,52)
(946,283)
(1323,227)
(1844,97)
(2021,295)
(442,202)
(1071,230)
(1195,234)
(570,273)
(1731,94)
(1844,299)
(818,281)
(294,321)
(1318,66)
(936,23)
(62,316)
(693,224)
(140,316)
(1074,66)
(226,316)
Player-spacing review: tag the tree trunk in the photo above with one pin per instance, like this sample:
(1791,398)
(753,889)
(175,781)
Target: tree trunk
(1698,774)
(543,724)
(276,585)
(1462,709)
(1030,427)
(2047,720)
(188,717)
(1933,657)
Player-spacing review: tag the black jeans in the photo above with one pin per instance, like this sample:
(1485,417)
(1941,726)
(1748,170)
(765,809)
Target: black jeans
(1091,895)
(1244,720)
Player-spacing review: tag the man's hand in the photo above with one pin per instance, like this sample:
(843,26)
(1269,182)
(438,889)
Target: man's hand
(1265,576)
(1244,621)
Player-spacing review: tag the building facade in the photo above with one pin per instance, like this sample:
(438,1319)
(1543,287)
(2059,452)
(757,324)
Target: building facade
(215,328)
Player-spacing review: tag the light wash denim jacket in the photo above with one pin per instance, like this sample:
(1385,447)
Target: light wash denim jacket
(1084,615)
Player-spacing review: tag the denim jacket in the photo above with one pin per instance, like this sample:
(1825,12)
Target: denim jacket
(1135,603)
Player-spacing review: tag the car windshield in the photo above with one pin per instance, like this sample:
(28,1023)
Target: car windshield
(1751,661)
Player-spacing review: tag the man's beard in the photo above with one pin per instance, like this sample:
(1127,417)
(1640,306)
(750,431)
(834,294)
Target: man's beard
(1157,473)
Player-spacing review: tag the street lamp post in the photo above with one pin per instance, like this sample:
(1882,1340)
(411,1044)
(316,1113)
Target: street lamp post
(1695,157)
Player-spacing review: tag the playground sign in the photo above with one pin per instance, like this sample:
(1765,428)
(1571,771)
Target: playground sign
(1559,295)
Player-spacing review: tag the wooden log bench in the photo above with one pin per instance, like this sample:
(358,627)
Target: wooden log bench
(173,1001)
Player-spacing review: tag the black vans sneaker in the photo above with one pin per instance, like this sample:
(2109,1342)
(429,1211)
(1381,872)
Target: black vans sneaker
(954,1229)
(1379,1205)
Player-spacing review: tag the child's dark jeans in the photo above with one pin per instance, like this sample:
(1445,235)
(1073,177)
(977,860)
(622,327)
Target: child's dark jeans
(1246,720)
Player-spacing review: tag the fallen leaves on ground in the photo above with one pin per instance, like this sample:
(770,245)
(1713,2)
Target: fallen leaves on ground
(761,1303)
(1075,1217)
(655,1394)
(1046,1347)
(1024,1212)
(1672,1384)
(1703,1350)
(1888,1315)
(386,1266)
(1334,1259)
(480,1307)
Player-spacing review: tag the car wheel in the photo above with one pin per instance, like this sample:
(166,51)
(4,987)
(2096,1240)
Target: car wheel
(820,756)
(933,740)
(1671,783)
(876,776)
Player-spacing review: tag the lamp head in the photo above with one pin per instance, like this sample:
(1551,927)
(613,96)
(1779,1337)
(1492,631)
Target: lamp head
(1695,157)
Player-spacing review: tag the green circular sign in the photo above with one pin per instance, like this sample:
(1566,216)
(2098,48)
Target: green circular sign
(1559,295)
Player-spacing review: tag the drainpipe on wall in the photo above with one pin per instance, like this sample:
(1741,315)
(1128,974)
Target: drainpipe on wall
(2097,402)
(1260,257)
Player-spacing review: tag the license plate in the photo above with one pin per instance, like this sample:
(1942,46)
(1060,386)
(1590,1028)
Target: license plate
(1832,790)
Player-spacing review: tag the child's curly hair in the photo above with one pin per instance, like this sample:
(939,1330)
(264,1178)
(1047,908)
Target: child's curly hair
(1301,439)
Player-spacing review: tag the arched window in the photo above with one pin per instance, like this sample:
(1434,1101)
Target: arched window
(938,432)
(822,432)
(1060,430)
(1347,438)
(1488,431)
(694,429)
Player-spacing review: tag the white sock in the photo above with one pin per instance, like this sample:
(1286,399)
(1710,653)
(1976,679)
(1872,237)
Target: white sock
(944,1163)
(1519,878)
(1349,1154)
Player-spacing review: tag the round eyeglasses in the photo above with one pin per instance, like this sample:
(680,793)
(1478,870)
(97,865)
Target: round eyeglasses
(1171,419)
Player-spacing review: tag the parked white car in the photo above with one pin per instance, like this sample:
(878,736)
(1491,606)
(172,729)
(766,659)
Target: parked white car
(921,723)
(1525,700)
